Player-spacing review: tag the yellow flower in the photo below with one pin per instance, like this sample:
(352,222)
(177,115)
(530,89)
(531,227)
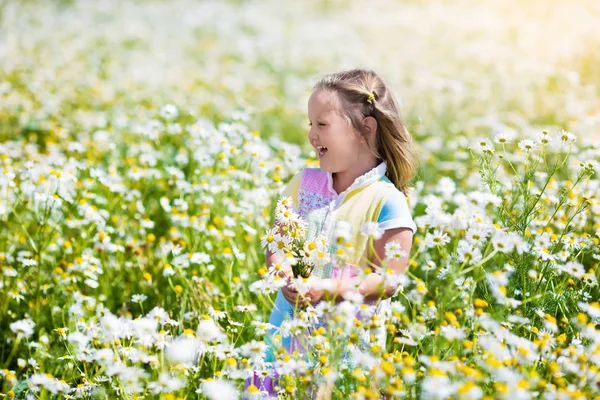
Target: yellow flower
(464,389)
(480,303)
(231,362)
(388,367)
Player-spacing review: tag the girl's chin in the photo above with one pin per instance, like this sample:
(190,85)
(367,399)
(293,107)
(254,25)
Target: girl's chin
(323,166)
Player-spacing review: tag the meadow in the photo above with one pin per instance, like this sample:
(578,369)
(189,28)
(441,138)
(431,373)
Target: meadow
(143,147)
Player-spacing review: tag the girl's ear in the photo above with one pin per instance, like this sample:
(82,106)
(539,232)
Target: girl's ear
(370,125)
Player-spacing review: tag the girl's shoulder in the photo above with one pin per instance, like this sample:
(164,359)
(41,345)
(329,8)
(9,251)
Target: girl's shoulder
(396,210)
(384,184)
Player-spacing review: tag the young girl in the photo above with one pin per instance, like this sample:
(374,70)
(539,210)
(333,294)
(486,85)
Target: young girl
(366,162)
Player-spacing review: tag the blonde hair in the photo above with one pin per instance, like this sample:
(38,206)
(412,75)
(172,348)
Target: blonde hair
(363,93)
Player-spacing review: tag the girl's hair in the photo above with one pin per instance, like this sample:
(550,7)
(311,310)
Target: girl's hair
(363,93)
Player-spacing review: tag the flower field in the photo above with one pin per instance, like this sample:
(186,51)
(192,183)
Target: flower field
(143,148)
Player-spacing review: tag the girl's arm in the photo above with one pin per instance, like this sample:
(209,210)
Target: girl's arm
(372,286)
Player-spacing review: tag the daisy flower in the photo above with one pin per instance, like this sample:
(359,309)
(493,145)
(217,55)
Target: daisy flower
(138,298)
(269,237)
(593,309)
(219,389)
(216,314)
(393,251)
(503,138)
(254,350)
(168,111)
(527,145)
(284,214)
(23,327)
(485,145)
(573,268)
(342,232)
(281,245)
(467,252)
(246,308)
(567,136)
(371,229)
(262,327)
(437,238)
(544,138)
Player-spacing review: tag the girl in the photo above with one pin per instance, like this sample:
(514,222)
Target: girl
(366,162)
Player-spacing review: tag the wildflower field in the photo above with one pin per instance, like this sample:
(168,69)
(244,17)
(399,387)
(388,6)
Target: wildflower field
(143,148)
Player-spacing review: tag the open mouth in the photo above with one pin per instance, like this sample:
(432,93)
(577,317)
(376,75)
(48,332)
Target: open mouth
(322,150)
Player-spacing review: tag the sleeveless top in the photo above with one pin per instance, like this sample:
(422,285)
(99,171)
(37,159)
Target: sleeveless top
(372,197)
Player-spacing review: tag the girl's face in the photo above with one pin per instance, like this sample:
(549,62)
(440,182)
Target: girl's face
(336,142)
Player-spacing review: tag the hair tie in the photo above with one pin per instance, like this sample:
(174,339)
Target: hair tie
(371,97)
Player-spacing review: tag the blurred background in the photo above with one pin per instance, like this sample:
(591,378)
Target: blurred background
(456,65)
(460,68)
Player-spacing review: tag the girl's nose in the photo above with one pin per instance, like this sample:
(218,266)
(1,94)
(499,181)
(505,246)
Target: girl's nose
(312,136)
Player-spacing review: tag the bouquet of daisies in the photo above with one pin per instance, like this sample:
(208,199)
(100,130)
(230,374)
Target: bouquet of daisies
(288,239)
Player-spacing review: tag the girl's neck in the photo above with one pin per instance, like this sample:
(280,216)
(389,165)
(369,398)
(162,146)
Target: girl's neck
(344,179)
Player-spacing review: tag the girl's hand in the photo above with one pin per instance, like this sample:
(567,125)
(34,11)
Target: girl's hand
(291,294)
(315,293)
(312,296)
